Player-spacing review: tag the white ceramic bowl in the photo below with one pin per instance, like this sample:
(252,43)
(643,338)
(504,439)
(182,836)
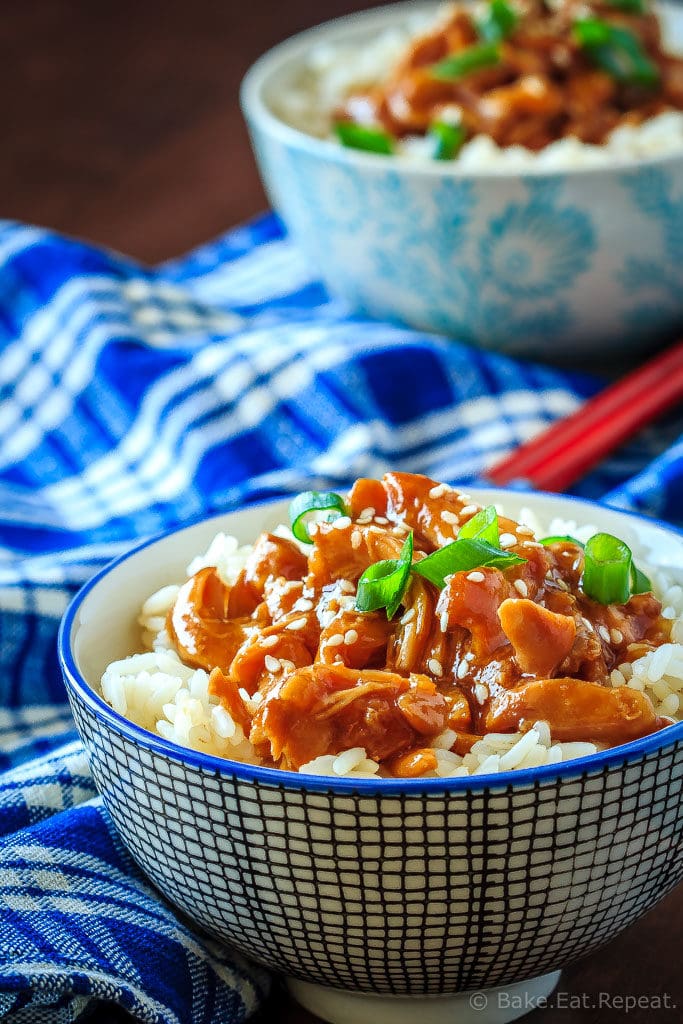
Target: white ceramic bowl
(584,262)
(382,900)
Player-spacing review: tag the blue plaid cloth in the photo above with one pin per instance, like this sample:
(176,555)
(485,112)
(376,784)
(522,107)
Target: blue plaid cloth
(130,401)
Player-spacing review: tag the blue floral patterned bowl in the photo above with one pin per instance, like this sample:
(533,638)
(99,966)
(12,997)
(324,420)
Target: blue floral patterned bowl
(579,262)
(383,901)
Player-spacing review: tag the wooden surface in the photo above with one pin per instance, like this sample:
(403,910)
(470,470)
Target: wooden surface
(120,120)
(120,124)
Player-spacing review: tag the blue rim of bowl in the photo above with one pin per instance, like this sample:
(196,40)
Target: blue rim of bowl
(276,777)
(258,114)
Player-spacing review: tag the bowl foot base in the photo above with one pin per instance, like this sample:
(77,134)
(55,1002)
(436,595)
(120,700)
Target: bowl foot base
(489,1006)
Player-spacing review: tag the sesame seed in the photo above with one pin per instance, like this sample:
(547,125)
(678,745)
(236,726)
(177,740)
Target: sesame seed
(356,539)
(588,624)
(469,656)
(346,587)
(273,664)
(382,520)
(481,692)
(269,641)
(297,624)
(368,513)
(534,86)
(434,666)
(443,622)
(617,636)
(350,636)
(525,531)
(336,640)
(450,517)
(532,544)
(466,497)
(303,605)
(468,510)
(604,634)
(521,588)
(507,540)
(476,577)
(438,491)
(287,666)
(463,669)
(408,617)
(341,523)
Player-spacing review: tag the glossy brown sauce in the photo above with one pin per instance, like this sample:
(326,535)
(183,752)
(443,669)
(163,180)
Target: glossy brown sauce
(493,651)
(544,87)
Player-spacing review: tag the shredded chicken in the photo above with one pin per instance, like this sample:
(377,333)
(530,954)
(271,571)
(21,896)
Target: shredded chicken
(494,649)
(543,87)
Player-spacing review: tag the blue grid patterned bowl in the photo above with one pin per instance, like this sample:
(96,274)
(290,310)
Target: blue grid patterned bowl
(391,888)
(583,262)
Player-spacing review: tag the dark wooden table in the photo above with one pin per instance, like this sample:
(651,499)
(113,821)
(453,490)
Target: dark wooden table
(120,124)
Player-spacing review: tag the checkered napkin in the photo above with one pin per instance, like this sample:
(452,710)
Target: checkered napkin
(132,400)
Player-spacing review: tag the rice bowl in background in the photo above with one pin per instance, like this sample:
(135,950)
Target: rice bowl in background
(534,260)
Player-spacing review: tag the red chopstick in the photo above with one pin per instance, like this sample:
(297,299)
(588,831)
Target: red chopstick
(553,460)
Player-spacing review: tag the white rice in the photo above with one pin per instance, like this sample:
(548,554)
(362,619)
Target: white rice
(162,694)
(225,555)
(332,71)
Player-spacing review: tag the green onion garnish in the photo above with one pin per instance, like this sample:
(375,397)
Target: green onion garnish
(483,526)
(312,501)
(617,51)
(640,583)
(607,569)
(499,22)
(562,539)
(629,6)
(472,59)
(461,556)
(448,139)
(360,136)
(383,584)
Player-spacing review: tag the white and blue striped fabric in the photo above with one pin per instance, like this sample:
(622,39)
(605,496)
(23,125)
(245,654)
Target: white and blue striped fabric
(132,400)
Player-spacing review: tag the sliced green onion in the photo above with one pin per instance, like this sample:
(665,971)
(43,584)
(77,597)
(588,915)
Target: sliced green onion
(383,584)
(448,139)
(562,539)
(592,32)
(640,583)
(629,6)
(483,526)
(312,501)
(464,63)
(461,556)
(360,136)
(617,51)
(607,569)
(499,22)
